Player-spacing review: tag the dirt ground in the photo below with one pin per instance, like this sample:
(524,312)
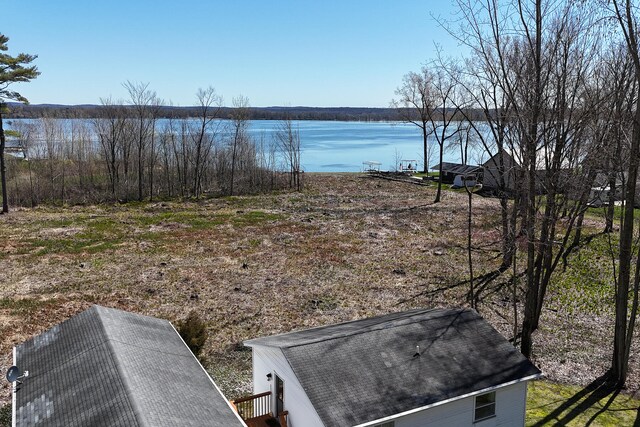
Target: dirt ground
(347,247)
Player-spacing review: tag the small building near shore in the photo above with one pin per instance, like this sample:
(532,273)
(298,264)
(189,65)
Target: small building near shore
(14,147)
(488,173)
(451,170)
(491,171)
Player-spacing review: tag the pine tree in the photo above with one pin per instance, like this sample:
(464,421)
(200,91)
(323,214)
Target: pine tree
(13,69)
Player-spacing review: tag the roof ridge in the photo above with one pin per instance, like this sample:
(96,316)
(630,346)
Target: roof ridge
(137,412)
(400,322)
(405,318)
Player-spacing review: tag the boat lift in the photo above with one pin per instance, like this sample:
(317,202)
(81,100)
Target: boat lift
(408,165)
(371,166)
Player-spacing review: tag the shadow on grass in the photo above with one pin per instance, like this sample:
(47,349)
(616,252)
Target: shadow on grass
(582,401)
(480,282)
(576,246)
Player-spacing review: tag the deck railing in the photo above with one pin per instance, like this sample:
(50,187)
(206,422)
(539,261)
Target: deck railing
(253,406)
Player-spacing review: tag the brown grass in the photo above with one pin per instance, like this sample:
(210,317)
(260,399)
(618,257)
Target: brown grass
(347,247)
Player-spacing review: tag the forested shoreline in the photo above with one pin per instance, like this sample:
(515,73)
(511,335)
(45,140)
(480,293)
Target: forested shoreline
(29,111)
(126,154)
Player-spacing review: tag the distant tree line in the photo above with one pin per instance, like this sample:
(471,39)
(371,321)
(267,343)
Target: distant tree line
(125,153)
(28,111)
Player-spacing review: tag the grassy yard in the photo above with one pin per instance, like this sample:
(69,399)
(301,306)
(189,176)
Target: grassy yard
(348,246)
(550,403)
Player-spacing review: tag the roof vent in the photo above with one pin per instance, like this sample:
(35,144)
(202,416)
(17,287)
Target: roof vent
(417,353)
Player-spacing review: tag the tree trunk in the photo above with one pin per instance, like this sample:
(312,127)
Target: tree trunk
(3,167)
(140,170)
(472,296)
(439,175)
(620,360)
(531,301)
(233,158)
(425,148)
(608,228)
(623,325)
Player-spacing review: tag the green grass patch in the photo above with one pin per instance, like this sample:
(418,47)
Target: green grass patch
(241,202)
(70,246)
(554,404)
(57,223)
(195,220)
(254,243)
(618,211)
(587,283)
(24,306)
(97,235)
(254,218)
(204,220)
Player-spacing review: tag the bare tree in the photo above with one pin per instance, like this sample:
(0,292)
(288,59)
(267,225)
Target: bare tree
(415,105)
(536,56)
(240,121)
(288,140)
(625,15)
(444,114)
(464,139)
(470,189)
(209,104)
(110,128)
(52,132)
(490,124)
(145,105)
(27,134)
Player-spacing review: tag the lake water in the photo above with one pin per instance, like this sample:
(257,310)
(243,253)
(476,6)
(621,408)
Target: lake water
(330,146)
(333,146)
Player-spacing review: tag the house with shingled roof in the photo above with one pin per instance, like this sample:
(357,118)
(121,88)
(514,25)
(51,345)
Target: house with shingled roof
(451,170)
(107,367)
(439,367)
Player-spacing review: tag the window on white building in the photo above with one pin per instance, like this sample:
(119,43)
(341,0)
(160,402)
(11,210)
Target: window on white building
(485,406)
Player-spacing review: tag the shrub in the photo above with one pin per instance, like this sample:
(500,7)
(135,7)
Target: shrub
(193,331)
(5,416)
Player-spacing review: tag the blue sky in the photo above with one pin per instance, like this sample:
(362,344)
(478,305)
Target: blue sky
(278,52)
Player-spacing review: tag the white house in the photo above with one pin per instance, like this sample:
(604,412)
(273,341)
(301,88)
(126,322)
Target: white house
(440,367)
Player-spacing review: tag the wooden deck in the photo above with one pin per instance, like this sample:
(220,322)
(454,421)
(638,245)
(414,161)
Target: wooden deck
(254,410)
(263,421)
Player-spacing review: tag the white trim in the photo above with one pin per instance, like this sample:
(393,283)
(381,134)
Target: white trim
(442,402)
(14,399)
(485,405)
(208,376)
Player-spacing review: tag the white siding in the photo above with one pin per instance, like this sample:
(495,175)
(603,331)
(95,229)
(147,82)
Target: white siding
(271,360)
(510,411)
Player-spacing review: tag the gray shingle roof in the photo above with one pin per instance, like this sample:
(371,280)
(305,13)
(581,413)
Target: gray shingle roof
(107,367)
(364,370)
(457,168)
